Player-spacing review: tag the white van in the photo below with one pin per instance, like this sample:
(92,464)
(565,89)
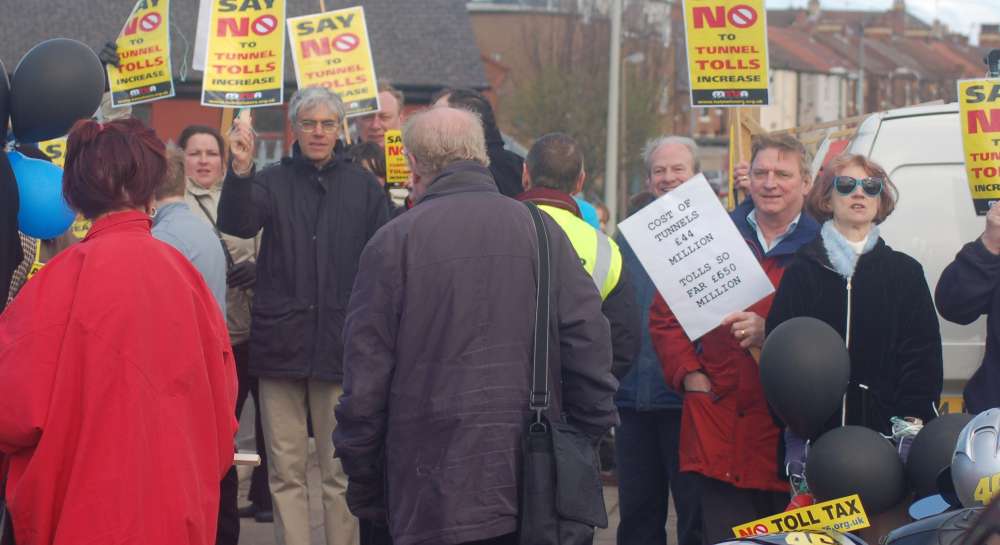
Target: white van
(921,149)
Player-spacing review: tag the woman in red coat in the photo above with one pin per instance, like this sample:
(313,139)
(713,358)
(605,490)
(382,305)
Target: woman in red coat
(117,381)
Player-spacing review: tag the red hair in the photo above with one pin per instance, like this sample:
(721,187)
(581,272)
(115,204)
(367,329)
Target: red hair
(114,166)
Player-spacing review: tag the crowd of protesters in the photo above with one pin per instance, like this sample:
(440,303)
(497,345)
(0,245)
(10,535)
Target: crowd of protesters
(400,335)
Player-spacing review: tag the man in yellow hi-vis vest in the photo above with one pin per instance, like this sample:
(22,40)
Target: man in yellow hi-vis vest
(553,172)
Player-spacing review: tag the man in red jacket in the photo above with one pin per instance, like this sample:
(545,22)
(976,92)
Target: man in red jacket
(728,436)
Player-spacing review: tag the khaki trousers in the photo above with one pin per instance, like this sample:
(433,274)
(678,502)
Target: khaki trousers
(285,405)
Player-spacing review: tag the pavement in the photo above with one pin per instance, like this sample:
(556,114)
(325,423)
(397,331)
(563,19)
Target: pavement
(254,533)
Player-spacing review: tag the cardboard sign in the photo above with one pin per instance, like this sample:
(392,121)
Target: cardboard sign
(843,515)
(727,52)
(397,169)
(332,49)
(245,57)
(979,108)
(55,149)
(696,257)
(144,73)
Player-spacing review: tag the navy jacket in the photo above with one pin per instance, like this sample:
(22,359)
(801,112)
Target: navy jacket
(643,388)
(966,290)
(316,222)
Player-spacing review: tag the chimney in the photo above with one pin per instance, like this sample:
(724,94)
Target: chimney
(938,29)
(898,5)
(989,35)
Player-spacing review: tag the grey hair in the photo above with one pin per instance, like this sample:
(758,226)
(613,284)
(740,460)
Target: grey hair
(441,136)
(310,97)
(655,144)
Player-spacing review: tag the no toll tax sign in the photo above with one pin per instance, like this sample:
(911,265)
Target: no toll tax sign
(727,52)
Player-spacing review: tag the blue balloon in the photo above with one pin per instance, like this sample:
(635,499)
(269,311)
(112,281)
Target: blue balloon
(43,211)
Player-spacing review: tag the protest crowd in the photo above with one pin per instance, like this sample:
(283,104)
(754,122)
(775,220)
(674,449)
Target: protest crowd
(457,357)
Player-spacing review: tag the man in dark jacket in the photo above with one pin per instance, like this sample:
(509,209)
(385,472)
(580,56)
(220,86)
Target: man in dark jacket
(505,165)
(439,343)
(647,441)
(967,290)
(317,209)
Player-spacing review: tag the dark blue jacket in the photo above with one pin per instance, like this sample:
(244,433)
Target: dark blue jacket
(643,388)
(804,233)
(967,290)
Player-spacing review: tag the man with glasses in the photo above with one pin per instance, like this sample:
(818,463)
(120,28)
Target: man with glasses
(728,437)
(317,211)
(372,127)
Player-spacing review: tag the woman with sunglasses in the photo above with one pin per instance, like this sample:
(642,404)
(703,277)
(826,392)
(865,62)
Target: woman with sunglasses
(875,297)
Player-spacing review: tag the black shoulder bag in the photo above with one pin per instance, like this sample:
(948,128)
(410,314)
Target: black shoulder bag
(561,494)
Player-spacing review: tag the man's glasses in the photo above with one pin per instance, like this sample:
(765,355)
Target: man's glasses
(310,125)
(845,185)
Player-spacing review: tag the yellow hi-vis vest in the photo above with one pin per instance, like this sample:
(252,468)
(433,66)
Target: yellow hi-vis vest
(598,254)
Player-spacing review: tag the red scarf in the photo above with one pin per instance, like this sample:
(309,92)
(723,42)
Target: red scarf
(550,197)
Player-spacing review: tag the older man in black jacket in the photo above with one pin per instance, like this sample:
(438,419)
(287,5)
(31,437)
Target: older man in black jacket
(438,347)
(317,210)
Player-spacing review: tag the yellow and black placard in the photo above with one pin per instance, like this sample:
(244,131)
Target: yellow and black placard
(397,169)
(55,149)
(842,514)
(245,57)
(144,73)
(727,52)
(332,49)
(979,108)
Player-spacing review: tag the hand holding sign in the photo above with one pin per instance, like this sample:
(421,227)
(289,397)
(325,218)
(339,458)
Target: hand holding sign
(747,328)
(991,236)
(241,143)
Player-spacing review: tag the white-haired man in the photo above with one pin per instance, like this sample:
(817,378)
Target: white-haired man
(317,210)
(439,339)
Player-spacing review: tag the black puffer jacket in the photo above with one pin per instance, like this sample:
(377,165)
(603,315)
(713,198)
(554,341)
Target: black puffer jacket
(316,222)
(895,339)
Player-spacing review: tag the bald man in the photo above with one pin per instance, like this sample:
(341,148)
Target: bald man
(438,345)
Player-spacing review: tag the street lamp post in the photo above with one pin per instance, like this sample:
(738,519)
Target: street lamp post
(614,83)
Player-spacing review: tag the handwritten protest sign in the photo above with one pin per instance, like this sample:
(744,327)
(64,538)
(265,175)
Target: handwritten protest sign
(979,105)
(842,514)
(144,73)
(332,49)
(245,57)
(727,52)
(696,257)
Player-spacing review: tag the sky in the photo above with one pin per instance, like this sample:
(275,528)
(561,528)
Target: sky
(963,16)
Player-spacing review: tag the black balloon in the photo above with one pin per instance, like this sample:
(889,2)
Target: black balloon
(4,102)
(57,83)
(804,368)
(856,460)
(931,451)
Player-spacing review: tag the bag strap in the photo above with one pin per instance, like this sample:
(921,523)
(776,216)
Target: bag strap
(215,227)
(539,401)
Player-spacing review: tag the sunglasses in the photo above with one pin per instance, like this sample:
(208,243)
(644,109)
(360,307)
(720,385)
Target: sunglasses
(845,185)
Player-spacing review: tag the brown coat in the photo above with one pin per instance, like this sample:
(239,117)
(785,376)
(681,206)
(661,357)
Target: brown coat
(437,360)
